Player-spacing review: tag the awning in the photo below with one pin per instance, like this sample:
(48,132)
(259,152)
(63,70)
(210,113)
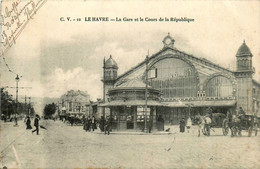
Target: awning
(132,103)
(197,103)
(202,103)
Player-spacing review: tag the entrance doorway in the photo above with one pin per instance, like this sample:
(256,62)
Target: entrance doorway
(129,118)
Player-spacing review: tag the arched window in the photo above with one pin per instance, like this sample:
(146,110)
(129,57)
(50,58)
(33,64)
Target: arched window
(175,78)
(219,86)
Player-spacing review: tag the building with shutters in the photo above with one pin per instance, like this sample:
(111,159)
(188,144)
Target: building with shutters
(182,85)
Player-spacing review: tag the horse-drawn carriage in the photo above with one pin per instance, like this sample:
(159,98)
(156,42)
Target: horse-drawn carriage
(75,119)
(237,124)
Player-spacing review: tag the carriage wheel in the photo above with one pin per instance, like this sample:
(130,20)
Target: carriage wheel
(233,131)
(206,130)
(225,127)
(250,131)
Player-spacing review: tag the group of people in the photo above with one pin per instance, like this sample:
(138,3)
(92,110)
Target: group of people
(91,124)
(36,123)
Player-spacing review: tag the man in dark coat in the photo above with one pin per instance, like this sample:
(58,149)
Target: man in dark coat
(84,122)
(36,124)
(93,123)
(88,121)
(107,126)
(182,125)
(28,123)
(102,123)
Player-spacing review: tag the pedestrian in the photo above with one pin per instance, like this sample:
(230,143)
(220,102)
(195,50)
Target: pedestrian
(189,123)
(102,123)
(84,122)
(36,124)
(107,126)
(15,120)
(182,125)
(88,121)
(150,122)
(93,123)
(28,123)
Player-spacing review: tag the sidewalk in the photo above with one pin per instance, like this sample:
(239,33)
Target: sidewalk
(173,130)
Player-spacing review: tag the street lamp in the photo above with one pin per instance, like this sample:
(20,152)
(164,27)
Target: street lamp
(17,80)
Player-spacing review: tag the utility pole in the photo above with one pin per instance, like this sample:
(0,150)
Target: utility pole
(104,91)
(16,113)
(29,110)
(146,93)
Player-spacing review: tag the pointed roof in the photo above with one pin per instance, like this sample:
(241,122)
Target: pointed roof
(244,50)
(176,50)
(111,63)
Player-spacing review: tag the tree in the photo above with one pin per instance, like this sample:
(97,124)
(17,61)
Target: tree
(49,110)
(7,103)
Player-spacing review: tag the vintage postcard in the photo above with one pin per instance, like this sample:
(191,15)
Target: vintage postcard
(129,84)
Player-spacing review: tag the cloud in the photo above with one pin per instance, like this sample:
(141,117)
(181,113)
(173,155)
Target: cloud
(60,81)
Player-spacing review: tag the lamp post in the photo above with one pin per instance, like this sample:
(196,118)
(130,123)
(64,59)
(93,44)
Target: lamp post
(146,93)
(17,80)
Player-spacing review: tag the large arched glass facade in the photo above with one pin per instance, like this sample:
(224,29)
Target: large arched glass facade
(219,86)
(175,78)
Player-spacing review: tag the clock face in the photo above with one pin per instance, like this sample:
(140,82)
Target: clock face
(168,41)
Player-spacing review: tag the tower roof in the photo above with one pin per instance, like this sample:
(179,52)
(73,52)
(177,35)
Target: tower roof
(244,50)
(111,63)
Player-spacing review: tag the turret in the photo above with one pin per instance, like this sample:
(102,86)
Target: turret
(110,70)
(109,76)
(244,58)
(244,74)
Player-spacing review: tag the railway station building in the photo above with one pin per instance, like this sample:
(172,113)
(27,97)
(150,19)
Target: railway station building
(178,85)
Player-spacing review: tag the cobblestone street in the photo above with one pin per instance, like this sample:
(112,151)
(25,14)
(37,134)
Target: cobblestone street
(63,146)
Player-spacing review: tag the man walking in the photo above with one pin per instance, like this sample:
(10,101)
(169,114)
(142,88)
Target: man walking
(36,124)
(107,126)
(93,123)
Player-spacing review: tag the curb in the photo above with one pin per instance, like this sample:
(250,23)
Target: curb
(136,133)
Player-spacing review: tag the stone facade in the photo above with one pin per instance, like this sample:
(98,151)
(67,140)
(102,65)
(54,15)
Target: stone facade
(74,102)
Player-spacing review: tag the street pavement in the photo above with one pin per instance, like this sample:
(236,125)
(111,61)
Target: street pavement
(64,146)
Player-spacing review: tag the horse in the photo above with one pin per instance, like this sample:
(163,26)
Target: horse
(235,125)
(203,123)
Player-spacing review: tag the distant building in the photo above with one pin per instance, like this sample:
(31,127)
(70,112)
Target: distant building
(188,86)
(75,102)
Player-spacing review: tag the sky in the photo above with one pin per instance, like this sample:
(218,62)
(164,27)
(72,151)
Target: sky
(53,56)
